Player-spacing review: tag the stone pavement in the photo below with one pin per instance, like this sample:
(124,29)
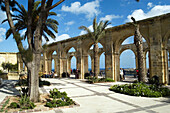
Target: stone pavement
(96,98)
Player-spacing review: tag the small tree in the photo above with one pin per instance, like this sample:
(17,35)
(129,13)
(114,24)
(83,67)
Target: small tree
(99,32)
(31,56)
(7,66)
(140,55)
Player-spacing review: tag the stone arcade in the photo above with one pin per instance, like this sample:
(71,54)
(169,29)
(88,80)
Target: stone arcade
(156,32)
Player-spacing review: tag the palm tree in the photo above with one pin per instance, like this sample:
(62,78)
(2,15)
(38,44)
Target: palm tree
(22,20)
(139,46)
(99,32)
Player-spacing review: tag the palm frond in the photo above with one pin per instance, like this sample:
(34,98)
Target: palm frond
(45,36)
(52,14)
(52,26)
(8,33)
(52,21)
(49,32)
(36,4)
(95,25)
(4,21)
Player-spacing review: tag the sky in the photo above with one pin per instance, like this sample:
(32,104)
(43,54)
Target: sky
(72,14)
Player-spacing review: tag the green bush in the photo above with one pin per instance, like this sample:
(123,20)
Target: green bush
(26,103)
(14,105)
(92,79)
(42,83)
(24,82)
(0,72)
(141,89)
(59,99)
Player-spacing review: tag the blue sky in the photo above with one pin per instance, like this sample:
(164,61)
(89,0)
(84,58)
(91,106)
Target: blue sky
(75,13)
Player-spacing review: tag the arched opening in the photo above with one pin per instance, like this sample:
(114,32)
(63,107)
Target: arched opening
(72,62)
(53,61)
(147,64)
(89,63)
(71,50)
(102,65)
(127,66)
(128,59)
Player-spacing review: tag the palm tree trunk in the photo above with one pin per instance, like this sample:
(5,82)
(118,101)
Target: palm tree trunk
(96,64)
(34,77)
(140,55)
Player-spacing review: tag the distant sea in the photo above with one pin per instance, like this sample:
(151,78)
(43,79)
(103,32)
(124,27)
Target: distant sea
(101,69)
(130,73)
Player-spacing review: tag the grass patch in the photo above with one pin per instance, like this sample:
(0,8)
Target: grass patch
(141,89)
(92,79)
(4,105)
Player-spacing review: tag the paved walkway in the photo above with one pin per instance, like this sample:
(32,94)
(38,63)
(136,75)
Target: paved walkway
(96,98)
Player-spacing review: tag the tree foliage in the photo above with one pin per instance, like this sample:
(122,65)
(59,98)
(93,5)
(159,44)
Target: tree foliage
(9,66)
(96,35)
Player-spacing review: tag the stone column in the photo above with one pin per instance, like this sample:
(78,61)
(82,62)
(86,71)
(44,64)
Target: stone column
(109,66)
(85,57)
(116,66)
(49,65)
(55,65)
(145,64)
(80,61)
(45,62)
(157,52)
(69,65)
(98,64)
(136,61)
(92,64)
(169,67)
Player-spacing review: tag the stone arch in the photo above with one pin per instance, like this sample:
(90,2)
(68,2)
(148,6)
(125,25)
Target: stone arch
(166,37)
(128,47)
(88,43)
(129,34)
(67,48)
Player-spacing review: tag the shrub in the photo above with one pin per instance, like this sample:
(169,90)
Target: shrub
(59,99)
(42,83)
(86,75)
(26,103)
(154,80)
(14,105)
(0,72)
(92,79)
(24,82)
(141,89)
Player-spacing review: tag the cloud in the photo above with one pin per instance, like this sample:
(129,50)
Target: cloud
(2,34)
(23,32)
(150,4)
(69,23)
(139,14)
(91,29)
(58,38)
(110,17)
(3,16)
(90,9)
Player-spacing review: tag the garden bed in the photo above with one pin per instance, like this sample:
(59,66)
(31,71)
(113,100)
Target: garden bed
(93,80)
(40,106)
(142,89)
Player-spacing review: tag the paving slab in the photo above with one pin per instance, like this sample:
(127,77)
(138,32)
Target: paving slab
(96,98)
